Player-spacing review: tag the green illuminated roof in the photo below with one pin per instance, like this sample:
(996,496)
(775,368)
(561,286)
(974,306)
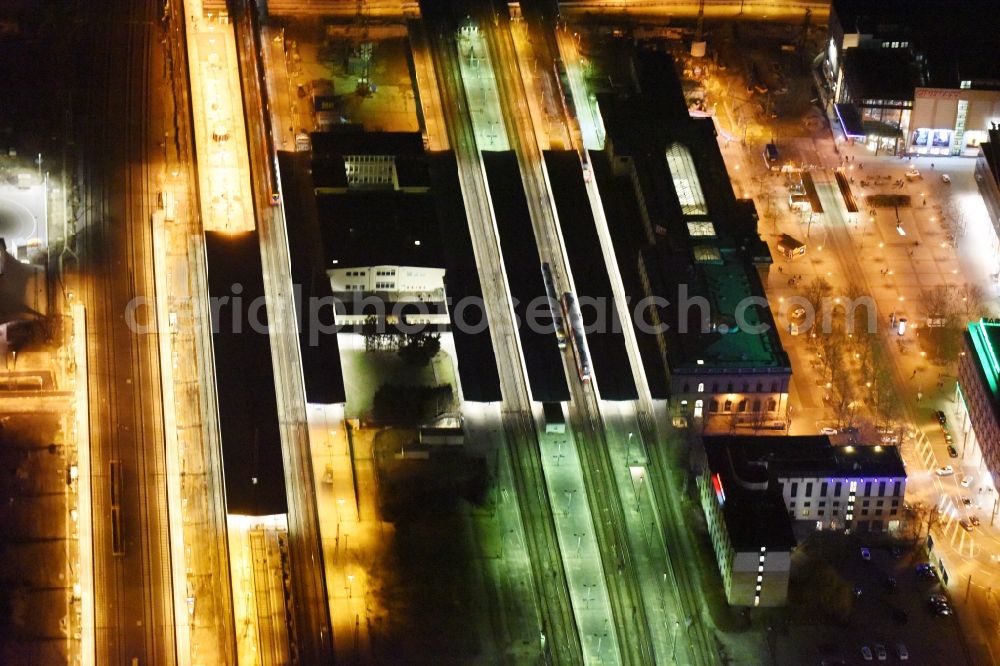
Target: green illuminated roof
(985,336)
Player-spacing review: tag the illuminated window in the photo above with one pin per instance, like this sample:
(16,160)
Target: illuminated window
(701,229)
(707,254)
(370,171)
(686,182)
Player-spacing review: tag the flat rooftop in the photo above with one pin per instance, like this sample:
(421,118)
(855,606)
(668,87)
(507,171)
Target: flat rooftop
(379,228)
(758,459)
(720,342)
(958,38)
(523,267)
(886,74)
(991,151)
(754,517)
(612,370)
(248,410)
(320,349)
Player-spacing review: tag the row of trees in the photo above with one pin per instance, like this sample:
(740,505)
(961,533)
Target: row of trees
(414,348)
(854,362)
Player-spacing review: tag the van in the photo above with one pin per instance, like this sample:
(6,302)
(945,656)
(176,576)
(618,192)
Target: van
(771,157)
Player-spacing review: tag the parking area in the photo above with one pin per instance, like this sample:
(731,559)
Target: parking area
(854,592)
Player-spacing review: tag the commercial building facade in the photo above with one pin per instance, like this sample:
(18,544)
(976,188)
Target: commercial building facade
(978,397)
(758,493)
(896,82)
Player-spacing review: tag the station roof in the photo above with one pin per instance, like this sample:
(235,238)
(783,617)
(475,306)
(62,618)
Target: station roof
(248,410)
(606,342)
(705,240)
(522,264)
(321,367)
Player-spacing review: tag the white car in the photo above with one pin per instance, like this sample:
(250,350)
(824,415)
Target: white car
(947,470)
(902,653)
(866,653)
(945,178)
(967,480)
(828,431)
(912,173)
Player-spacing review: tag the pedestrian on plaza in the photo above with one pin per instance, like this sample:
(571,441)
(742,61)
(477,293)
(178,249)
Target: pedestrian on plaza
(861,165)
(780,270)
(932,165)
(914,374)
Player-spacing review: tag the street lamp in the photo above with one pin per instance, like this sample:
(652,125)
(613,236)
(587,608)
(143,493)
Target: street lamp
(673,647)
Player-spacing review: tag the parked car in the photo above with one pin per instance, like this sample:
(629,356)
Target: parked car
(974,520)
(952,451)
(965,525)
(926,572)
(941,610)
(866,653)
(947,470)
(967,480)
(880,652)
(912,173)
(942,419)
(902,653)
(937,598)
(966,501)
(946,179)
(866,554)
(828,431)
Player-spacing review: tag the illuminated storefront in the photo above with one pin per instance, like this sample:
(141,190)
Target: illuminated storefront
(948,121)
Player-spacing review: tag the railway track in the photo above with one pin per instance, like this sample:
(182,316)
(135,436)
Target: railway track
(561,639)
(133,589)
(621,580)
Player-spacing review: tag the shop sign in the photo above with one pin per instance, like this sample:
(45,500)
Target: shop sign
(936,93)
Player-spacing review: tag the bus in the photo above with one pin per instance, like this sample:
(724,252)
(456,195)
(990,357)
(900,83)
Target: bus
(571,312)
(557,317)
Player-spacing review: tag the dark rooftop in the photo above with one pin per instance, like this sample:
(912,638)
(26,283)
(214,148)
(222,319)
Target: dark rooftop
(759,459)
(379,228)
(612,370)
(991,151)
(523,267)
(712,249)
(330,147)
(888,74)
(957,38)
(321,369)
(755,517)
(248,410)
